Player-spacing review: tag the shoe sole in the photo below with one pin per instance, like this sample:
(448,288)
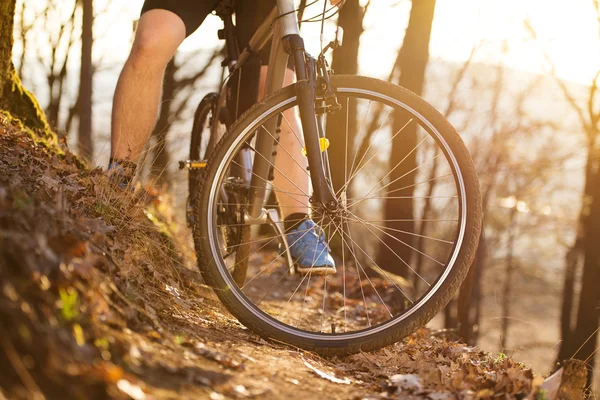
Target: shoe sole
(325,270)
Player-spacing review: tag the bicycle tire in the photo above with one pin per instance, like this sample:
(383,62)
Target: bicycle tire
(198,152)
(395,329)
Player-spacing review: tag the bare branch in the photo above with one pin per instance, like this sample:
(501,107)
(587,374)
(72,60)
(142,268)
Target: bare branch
(459,77)
(561,84)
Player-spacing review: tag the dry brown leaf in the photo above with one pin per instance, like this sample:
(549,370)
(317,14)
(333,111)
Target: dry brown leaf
(326,375)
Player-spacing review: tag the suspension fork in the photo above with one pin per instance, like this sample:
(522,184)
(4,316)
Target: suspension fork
(311,129)
(305,91)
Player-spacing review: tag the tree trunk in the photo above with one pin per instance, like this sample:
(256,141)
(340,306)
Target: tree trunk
(451,316)
(588,313)
(568,301)
(85,144)
(345,61)
(509,272)
(573,263)
(414,56)
(13,97)
(469,298)
(160,153)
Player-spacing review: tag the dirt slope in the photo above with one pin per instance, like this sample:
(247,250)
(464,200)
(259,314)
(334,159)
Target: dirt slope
(98,300)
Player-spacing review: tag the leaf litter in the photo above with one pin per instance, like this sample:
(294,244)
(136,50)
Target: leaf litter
(99,298)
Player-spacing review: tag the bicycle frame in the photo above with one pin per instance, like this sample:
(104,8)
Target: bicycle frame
(282,26)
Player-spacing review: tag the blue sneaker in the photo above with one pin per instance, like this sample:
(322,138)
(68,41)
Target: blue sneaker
(309,249)
(121,173)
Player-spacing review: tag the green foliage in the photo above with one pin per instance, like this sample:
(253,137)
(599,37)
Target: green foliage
(542,395)
(46,139)
(179,339)
(22,104)
(21,201)
(69,304)
(500,358)
(102,343)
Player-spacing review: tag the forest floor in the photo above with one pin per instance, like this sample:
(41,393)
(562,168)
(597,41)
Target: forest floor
(100,299)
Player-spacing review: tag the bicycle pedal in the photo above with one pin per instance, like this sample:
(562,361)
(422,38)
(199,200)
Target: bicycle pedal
(192,164)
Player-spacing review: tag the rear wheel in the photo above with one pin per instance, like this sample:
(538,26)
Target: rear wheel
(200,145)
(393,274)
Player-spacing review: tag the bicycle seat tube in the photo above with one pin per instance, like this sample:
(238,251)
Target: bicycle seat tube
(265,143)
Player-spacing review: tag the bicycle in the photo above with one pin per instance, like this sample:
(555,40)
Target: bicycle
(240,239)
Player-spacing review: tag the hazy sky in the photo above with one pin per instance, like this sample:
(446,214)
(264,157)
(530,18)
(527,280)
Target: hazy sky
(568,31)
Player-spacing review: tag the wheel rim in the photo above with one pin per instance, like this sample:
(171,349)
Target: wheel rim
(266,315)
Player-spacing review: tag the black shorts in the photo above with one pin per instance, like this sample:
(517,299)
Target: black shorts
(250,14)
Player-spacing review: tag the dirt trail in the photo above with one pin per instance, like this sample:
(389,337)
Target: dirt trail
(98,300)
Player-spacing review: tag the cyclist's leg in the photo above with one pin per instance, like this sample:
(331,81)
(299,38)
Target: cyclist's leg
(290,160)
(292,182)
(163,26)
(252,14)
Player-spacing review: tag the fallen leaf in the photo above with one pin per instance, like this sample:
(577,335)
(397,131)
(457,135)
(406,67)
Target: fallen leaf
(211,354)
(409,382)
(98,225)
(132,390)
(79,337)
(327,376)
(49,182)
(484,394)
(441,396)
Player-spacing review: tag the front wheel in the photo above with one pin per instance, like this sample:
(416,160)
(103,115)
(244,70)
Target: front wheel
(403,236)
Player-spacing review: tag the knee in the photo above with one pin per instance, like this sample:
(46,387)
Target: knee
(156,42)
(151,49)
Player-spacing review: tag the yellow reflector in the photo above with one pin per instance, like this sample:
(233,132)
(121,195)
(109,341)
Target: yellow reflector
(323,144)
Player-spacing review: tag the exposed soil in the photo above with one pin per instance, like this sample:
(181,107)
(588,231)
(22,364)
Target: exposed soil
(100,299)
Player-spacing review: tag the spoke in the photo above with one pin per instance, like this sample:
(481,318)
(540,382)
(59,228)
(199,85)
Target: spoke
(406,174)
(346,152)
(367,275)
(239,204)
(303,168)
(260,240)
(344,279)
(411,233)
(419,183)
(261,247)
(398,257)
(267,181)
(270,183)
(402,197)
(310,272)
(258,223)
(257,250)
(325,284)
(400,241)
(397,165)
(279,280)
(279,255)
(381,270)
(356,264)
(360,200)
(374,155)
(364,134)
(293,131)
(352,171)
(277,190)
(305,294)
(413,220)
